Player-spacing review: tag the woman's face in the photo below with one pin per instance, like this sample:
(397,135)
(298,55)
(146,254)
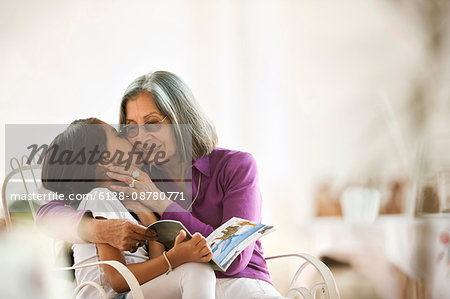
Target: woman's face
(116,144)
(142,110)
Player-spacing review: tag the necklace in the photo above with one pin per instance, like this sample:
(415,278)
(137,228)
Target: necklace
(198,191)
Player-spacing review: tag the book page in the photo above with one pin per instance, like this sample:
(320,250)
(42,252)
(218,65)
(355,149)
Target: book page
(232,237)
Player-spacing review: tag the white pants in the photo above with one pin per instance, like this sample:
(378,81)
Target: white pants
(197,281)
(188,281)
(245,288)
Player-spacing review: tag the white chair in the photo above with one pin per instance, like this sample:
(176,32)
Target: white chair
(326,288)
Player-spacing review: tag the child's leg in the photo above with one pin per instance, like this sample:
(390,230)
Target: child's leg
(245,288)
(188,281)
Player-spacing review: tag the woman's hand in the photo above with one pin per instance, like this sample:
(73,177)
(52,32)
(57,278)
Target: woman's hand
(119,233)
(142,188)
(193,250)
(146,215)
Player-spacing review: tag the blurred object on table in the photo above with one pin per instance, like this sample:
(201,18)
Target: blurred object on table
(327,203)
(394,203)
(392,196)
(432,175)
(360,205)
(430,200)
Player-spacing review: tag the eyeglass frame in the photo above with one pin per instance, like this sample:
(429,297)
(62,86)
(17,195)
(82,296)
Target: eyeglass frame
(123,133)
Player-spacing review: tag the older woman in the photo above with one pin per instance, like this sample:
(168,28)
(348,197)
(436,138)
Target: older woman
(224,182)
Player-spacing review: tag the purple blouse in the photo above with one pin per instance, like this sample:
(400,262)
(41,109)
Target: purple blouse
(229,188)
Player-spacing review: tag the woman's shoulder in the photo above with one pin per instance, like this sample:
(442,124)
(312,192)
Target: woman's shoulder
(226,165)
(233,169)
(229,163)
(226,157)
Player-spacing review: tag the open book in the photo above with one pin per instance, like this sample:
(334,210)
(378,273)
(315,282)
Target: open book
(226,242)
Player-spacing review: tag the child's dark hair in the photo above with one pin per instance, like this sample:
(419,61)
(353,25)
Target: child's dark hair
(77,176)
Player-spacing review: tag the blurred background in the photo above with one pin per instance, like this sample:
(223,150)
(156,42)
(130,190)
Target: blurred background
(326,95)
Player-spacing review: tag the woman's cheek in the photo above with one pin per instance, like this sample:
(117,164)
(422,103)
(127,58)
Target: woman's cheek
(132,140)
(171,148)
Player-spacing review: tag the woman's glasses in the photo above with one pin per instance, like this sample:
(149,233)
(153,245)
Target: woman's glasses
(132,130)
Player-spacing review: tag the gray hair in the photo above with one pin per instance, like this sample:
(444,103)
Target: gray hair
(174,98)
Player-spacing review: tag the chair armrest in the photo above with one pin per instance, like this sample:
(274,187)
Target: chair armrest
(90,283)
(329,282)
(131,280)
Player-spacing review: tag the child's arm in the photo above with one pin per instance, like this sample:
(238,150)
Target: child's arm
(147,217)
(155,249)
(194,250)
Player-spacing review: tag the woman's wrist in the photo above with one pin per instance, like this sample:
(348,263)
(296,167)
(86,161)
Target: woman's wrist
(119,233)
(88,229)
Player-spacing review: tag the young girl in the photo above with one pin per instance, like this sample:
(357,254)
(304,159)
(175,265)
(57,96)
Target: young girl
(69,170)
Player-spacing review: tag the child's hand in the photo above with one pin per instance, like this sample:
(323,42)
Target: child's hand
(193,250)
